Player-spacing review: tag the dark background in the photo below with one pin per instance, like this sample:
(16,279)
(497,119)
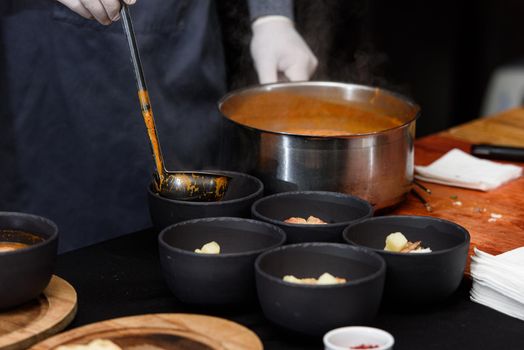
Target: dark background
(440,53)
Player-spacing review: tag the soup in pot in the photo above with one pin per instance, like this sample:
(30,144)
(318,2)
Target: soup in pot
(305,115)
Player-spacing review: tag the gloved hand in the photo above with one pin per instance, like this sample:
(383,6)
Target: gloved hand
(104,11)
(277,47)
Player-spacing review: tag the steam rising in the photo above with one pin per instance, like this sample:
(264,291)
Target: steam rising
(339,32)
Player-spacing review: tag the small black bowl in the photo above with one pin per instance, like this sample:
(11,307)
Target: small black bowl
(215,279)
(25,272)
(315,309)
(242,191)
(420,278)
(337,209)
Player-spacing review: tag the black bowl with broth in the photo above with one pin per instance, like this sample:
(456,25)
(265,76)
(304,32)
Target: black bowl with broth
(338,210)
(416,278)
(315,309)
(243,190)
(28,247)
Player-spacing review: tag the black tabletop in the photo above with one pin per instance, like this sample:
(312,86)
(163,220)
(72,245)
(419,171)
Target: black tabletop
(122,277)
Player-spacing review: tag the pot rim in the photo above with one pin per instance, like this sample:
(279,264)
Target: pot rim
(276,86)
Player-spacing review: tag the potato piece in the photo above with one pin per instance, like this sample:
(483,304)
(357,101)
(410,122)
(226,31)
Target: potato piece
(315,221)
(290,279)
(293,279)
(395,242)
(209,248)
(327,278)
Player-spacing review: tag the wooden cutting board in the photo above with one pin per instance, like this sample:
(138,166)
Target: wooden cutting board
(162,331)
(505,129)
(50,313)
(474,213)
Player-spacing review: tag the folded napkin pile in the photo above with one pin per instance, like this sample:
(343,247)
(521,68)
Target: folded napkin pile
(458,168)
(498,281)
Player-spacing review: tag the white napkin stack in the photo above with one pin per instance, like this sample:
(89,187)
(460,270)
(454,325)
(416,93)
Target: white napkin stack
(498,281)
(460,169)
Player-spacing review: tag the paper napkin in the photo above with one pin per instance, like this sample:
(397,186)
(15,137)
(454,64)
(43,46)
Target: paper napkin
(489,297)
(460,169)
(498,281)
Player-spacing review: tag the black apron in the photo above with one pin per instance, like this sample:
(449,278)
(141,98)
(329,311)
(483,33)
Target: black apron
(74,146)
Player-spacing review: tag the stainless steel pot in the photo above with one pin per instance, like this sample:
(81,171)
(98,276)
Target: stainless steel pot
(377,166)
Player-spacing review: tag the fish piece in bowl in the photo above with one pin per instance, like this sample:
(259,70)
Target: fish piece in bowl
(311,216)
(311,220)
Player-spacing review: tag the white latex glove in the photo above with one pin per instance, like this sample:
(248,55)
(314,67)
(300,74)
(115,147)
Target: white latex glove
(104,11)
(277,47)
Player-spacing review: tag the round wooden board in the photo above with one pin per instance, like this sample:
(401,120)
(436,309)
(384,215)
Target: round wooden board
(162,331)
(36,320)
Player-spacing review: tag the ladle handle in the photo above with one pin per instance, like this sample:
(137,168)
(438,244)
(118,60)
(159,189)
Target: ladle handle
(143,95)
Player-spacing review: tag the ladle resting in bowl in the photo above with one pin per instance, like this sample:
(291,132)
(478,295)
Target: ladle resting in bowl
(196,186)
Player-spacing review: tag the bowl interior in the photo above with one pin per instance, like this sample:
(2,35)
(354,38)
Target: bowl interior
(233,235)
(331,207)
(313,259)
(434,233)
(24,228)
(15,239)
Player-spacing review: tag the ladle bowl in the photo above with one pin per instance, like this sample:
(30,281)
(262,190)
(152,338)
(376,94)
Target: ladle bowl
(193,186)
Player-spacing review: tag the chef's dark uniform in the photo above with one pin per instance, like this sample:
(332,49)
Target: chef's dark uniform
(73,146)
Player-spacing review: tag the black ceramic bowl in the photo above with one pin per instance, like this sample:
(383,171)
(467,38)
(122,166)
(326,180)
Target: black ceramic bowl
(242,191)
(416,278)
(225,278)
(337,209)
(315,309)
(25,272)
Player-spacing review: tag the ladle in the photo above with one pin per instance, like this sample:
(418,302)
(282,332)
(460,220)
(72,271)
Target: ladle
(196,186)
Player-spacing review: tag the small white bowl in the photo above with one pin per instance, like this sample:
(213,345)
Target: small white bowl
(346,337)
